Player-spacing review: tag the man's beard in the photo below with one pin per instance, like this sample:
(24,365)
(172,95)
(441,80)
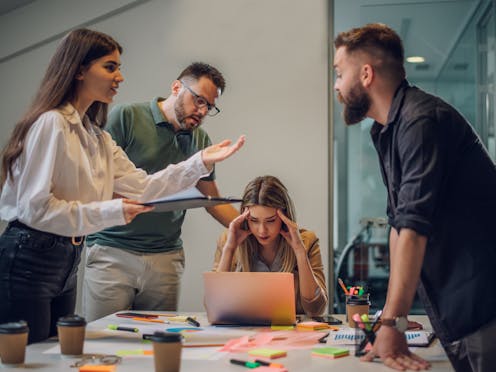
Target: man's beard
(356,105)
(179,111)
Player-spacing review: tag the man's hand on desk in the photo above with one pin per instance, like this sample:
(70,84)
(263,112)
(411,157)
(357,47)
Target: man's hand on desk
(390,345)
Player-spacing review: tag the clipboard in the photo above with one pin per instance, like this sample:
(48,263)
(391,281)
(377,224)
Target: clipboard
(187,199)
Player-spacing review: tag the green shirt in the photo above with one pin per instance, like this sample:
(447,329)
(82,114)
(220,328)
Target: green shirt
(151,144)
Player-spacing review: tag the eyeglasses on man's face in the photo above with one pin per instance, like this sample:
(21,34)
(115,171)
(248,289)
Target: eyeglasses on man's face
(201,102)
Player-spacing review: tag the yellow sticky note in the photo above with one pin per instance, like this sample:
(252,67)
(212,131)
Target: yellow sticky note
(268,353)
(282,328)
(123,353)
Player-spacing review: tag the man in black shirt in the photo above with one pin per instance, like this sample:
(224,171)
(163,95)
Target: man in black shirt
(441,187)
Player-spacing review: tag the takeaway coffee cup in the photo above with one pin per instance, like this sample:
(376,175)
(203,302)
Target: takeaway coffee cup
(71,330)
(356,304)
(13,340)
(167,348)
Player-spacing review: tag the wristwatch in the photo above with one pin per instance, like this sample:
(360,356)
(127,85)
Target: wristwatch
(400,323)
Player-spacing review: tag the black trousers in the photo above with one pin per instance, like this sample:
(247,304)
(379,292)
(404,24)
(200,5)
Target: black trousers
(38,278)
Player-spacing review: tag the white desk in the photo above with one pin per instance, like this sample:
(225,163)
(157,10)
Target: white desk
(296,360)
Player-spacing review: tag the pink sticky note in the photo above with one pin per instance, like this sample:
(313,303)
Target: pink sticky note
(270,369)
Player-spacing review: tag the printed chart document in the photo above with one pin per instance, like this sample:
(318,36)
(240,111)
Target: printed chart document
(186,199)
(350,336)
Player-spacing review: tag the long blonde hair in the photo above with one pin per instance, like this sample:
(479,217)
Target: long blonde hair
(266,191)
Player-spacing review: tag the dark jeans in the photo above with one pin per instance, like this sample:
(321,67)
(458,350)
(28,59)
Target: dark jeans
(473,353)
(38,277)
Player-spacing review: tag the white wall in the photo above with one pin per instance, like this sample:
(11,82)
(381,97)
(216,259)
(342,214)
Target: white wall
(273,54)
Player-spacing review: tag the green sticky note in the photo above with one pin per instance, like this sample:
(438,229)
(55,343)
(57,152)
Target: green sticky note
(330,352)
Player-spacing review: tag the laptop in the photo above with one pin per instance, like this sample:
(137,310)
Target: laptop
(249,298)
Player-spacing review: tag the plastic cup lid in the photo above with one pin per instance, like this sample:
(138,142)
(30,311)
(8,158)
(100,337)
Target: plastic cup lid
(14,327)
(166,337)
(71,321)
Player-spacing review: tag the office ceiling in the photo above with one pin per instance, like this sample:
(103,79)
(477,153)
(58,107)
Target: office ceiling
(10,5)
(441,31)
(437,30)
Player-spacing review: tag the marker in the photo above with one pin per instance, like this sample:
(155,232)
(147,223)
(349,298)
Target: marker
(358,320)
(244,363)
(365,319)
(323,339)
(377,323)
(269,364)
(343,286)
(118,328)
(193,322)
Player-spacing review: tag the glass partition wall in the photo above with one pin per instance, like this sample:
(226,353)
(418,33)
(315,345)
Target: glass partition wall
(456,40)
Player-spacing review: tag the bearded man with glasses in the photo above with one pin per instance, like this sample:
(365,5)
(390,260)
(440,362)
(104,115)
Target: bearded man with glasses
(139,266)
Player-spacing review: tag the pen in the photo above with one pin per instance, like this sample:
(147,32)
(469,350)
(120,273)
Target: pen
(118,328)
(150,320)
(244,363)
(323,339)
(268,364)
(369,334)
(340,281)
(193,322)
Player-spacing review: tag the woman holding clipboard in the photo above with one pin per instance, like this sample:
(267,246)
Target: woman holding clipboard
(60,171)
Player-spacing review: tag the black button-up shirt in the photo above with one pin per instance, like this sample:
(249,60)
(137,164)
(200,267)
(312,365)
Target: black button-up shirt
(441,183)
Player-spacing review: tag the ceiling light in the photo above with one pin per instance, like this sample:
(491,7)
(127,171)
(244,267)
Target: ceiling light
(415,59)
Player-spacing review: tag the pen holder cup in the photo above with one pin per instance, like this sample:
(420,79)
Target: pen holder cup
(356,304)
(364,337)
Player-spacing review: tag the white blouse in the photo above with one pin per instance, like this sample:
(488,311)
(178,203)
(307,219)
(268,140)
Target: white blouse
(66,176)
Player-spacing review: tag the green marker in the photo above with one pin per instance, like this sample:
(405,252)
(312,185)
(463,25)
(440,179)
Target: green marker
(245,363)
(114,327)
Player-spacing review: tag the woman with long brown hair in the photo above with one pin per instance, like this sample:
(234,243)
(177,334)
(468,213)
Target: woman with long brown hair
(60,172)
(265,237)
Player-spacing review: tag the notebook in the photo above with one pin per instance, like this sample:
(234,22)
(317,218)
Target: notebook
(249,298)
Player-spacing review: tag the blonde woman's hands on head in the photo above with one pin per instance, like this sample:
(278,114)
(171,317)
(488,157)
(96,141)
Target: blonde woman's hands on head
(221,151)
(292,235)
(131,208)
(236,233)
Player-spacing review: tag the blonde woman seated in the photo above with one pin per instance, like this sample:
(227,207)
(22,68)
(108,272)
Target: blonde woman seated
(266,238)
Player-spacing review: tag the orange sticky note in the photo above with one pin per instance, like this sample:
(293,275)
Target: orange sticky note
(268,353)
(311,326)
(97,368)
